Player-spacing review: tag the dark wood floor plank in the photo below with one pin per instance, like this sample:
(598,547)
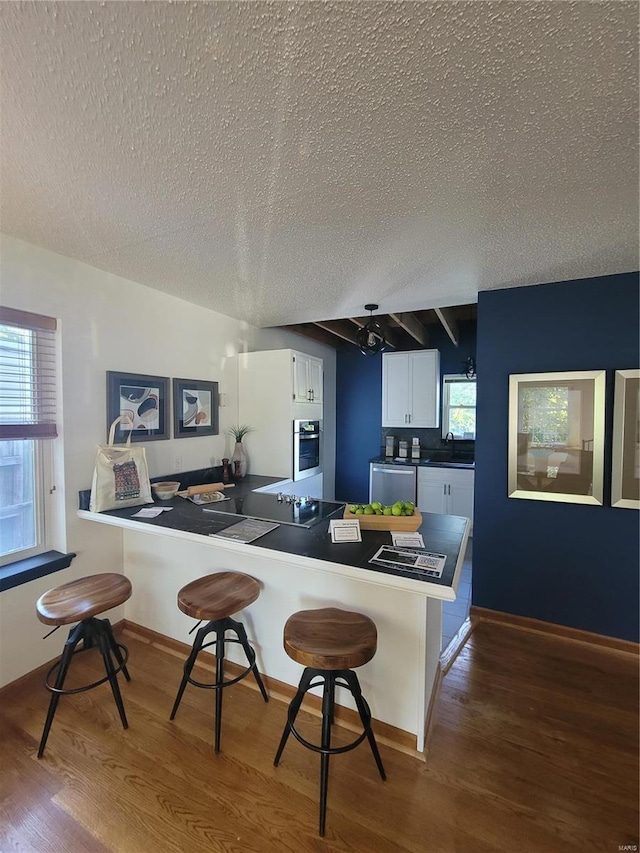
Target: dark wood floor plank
(535,747)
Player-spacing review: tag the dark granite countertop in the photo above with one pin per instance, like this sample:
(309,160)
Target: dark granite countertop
(443,534)
(435,461)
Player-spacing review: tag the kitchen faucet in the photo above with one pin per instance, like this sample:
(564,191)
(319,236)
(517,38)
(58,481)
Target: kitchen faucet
(446,441)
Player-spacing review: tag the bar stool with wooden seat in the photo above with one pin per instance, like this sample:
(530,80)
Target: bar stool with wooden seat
(81,601)
(329,643)
(215,598)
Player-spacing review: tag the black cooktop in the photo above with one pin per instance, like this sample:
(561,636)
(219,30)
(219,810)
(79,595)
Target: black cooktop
(301,512)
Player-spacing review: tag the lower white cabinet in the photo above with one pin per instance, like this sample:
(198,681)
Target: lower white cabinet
(446,490)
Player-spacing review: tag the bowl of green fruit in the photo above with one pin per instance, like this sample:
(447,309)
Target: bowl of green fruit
(401,515)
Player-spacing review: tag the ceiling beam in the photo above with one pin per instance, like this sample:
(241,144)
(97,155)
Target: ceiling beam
(446,317)
(340,328)
(411,325)
(311,331)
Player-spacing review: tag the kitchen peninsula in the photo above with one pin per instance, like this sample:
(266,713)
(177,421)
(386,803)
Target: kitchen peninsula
(299,567)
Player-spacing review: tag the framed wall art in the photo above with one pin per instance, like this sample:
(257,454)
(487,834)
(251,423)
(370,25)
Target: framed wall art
(142,399)
(556,436)
(625,471)
(195,408)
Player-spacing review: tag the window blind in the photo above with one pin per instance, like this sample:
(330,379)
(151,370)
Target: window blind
(27,375)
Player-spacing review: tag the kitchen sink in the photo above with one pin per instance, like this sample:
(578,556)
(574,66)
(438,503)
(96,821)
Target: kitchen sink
(449,462)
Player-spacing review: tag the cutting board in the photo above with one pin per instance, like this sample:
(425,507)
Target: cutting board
(406,523)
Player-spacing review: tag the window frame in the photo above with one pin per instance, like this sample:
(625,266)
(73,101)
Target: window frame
(32,416)
(42,489)
(447,381)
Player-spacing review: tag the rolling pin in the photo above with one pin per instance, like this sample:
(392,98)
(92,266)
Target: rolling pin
(203,490)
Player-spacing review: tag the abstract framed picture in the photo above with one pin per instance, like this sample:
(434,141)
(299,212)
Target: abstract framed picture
(625,461)
(142,399)
(556,436)
(195,408)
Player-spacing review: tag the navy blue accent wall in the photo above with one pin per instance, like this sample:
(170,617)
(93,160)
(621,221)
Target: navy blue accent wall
(358,418)
(569,564)
(359,408)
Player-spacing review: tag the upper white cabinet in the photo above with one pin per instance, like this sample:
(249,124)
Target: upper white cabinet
(269,401)
(307,378)
(411,389)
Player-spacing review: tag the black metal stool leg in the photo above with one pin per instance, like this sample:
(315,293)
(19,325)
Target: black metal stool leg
(328,698)
(365,715)
(219,682)
(189,664)
(251,655)
(102,641)
(292,712)
(115,648)
(75,635)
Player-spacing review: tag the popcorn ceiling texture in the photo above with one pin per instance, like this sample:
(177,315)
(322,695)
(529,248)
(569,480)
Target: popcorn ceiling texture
(288,162)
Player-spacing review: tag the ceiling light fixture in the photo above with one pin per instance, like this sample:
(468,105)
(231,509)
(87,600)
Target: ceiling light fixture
(370,337)
(469,367)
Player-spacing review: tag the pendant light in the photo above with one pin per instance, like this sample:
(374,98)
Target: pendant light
(370,337)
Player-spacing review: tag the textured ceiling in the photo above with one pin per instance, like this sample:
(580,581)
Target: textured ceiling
(284,162)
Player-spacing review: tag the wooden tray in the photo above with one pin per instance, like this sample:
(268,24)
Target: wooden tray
(406,523)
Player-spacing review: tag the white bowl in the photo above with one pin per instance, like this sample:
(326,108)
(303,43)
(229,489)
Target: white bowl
(165,490)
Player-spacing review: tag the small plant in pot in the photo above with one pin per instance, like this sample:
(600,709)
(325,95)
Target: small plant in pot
(238,431)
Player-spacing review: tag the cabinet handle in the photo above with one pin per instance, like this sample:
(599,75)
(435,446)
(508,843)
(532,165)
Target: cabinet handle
(409,416)
(444,488)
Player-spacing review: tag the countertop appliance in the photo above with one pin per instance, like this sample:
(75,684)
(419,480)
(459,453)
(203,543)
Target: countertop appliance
(307,449)
(391,483)
(282,509)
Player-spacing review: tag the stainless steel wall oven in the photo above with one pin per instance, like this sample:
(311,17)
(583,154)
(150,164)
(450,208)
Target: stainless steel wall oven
(307,449)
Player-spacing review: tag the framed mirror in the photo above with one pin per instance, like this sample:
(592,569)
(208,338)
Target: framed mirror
(556,436)
(625,473)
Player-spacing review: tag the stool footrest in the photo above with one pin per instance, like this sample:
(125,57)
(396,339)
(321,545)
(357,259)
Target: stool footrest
(218,627)
(94,633)
(330,679)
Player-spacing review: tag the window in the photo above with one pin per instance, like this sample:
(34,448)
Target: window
(27,425)
(459,407)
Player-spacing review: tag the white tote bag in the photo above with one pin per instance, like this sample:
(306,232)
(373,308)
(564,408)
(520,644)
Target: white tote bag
(120,476)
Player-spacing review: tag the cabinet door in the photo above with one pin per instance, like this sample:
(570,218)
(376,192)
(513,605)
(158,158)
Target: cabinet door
(432,496)
(315,379)
(461,500)
(395,389)
(424,389)
(301,387)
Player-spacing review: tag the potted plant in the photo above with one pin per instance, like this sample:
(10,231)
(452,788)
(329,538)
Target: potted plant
(238,431)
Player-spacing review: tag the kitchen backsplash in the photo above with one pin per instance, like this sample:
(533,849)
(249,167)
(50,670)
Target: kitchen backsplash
(430,440)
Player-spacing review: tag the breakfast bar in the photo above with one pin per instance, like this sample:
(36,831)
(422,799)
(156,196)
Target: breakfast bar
(299,567)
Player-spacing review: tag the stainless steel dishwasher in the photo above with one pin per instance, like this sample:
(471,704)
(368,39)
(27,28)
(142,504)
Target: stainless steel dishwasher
(391,483)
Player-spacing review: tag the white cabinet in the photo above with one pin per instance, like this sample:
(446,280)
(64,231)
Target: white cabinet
(446,490)
(268,401)
(307,378)
(411,389)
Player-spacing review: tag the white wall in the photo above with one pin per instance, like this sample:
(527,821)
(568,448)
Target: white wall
(110,323)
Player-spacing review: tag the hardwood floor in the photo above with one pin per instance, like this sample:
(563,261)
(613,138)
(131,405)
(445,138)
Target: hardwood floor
(535,748)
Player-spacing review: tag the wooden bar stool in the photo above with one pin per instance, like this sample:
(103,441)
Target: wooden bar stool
(330,643)
(215,598)
(81,601)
